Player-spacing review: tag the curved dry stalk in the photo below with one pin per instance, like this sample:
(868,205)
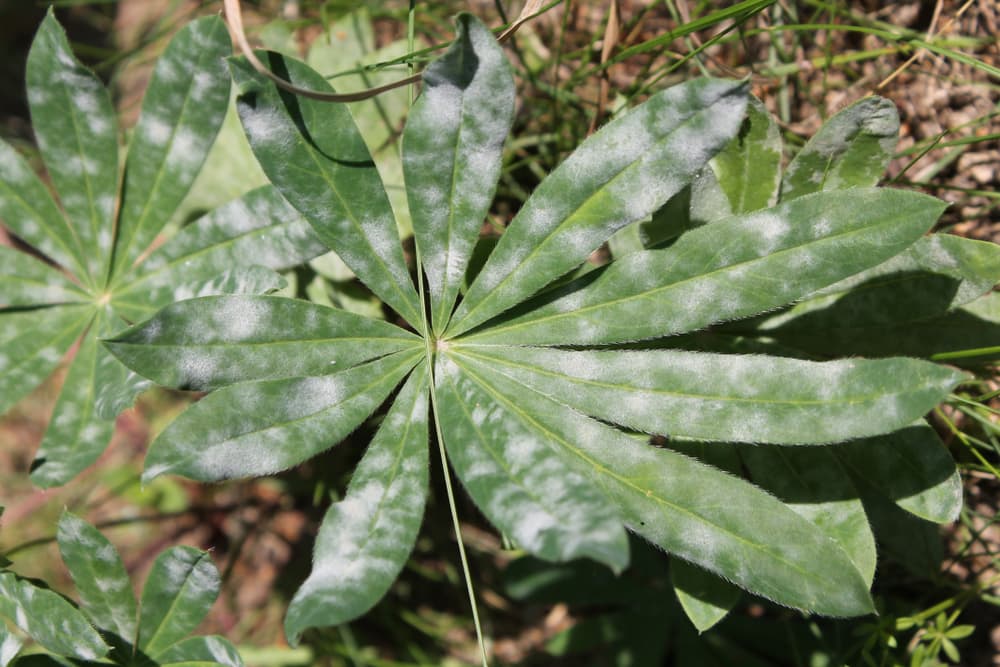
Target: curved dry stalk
(234,16)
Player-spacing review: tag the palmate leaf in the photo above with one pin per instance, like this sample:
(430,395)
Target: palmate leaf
(77,134)
(536,432)
(95,287)
(180,590)
(260,428)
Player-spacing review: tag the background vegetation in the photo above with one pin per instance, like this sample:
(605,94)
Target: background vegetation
(576,64)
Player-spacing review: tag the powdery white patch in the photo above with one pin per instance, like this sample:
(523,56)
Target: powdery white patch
(155,129)
(772,229)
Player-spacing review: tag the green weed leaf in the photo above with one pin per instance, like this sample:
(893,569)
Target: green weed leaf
(852,149)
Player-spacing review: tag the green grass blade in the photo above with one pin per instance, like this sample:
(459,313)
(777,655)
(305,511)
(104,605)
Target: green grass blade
(617,176)
(729,269)
(452,150)
(365,538)
(215,341)
(260,428)
(182,112)
(724,397)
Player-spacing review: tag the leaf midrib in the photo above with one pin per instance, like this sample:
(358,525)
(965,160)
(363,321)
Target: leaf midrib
(734,399)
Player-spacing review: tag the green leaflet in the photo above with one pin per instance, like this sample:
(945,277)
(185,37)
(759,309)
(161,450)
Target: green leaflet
(729,269)
(208,651)
(748,169)
(519,481)
(29,282)
(315,156)
(33,342)
(180,590)
(260,229)
(182,112)
(910,466)
(347,45)
(365,538)
(739,398)
(77,133)
(75,437)
(695,511)
(27,208)
(851,149)
(452,149)
(48,619)
(215,341)
(260,428)
(813,483)
(105,591)
(619,175)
